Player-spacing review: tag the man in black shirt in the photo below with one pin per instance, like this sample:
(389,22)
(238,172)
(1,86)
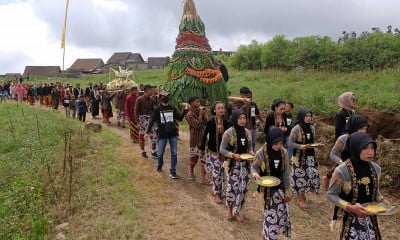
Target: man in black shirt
(166,116)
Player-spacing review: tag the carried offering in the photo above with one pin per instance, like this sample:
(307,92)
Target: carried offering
(375,208)
(268,181)
(121,80)
(314,145)
(247,156)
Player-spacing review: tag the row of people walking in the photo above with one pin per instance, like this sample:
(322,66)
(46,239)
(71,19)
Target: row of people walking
(218,141)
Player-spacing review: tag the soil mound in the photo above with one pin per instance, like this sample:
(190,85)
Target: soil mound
(385,124)
(385,128)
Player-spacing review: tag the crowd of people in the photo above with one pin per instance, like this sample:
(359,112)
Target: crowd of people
(220,137)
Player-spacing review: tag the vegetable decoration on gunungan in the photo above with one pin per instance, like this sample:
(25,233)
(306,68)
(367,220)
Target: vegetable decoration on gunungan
(193,70)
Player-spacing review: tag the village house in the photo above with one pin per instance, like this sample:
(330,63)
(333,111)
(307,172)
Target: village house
(157,62)
(127,60)
(86,66)
(42,71)
(12,77)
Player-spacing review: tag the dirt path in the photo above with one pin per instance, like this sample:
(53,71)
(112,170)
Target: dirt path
(179,209)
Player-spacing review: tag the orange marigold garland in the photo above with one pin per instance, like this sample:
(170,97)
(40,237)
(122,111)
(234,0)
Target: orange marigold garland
(206,76)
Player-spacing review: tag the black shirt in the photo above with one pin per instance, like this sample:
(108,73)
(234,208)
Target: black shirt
(341,118)
(211,132)
(170,114)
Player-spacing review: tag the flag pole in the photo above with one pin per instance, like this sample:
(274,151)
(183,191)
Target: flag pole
(64,32)
(63,58)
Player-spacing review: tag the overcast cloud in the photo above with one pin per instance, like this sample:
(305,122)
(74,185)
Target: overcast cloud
(31,29)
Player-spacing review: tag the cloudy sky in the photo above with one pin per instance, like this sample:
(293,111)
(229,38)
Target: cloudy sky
(31,29)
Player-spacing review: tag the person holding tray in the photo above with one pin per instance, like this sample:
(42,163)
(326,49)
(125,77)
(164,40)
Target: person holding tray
(339,154)
(355,183)
(305,174)
(271,160)
(235,141)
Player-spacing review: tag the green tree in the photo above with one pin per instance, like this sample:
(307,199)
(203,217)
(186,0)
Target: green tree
(370,50)
(277,53)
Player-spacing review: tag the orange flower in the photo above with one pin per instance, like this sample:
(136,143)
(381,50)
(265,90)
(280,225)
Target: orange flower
(207,75)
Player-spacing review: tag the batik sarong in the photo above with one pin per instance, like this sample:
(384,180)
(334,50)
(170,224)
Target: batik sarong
(276,218)
(214,165)
(238,181)
(305,176)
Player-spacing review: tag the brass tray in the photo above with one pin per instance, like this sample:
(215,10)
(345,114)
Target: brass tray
(382,209)
(247,156)
(268,181)
(314,145)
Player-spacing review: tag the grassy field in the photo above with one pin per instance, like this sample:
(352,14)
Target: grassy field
(316,90)
(52,169)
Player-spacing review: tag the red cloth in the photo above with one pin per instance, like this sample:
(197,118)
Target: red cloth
(130,106)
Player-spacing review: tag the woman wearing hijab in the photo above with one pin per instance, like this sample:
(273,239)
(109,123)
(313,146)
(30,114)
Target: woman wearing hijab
(356,123)
(235,141)
(305,175)
(347,102)
(271,160)
(212,136)
(355,182)
(338,153)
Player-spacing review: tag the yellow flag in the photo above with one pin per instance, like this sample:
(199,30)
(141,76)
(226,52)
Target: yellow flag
(65,25)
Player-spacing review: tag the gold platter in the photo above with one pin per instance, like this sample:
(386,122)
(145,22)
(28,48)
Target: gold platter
(247,156)
(268,181)
(375,208)
(316,145)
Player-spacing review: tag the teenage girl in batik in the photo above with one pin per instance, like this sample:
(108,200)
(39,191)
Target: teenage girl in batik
(212,135)
(271,160)
(305,175)
(340,153)
(277,117)
(355,182)
(235,141)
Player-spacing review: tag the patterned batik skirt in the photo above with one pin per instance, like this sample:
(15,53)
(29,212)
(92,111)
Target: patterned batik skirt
(362,229)
(214,165)
(120,115)
(276,218)
(238,181)
(305,178)
(133,131)
(144,121)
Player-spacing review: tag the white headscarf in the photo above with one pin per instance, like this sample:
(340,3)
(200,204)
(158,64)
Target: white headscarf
(345,100)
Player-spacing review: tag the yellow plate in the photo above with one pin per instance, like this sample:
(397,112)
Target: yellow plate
(374,208)
(316,144)
(247,156)
(268,181)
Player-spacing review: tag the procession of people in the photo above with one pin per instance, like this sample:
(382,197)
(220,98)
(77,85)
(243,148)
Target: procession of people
(222,133)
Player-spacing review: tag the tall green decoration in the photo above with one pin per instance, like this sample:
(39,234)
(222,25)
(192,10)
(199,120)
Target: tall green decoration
(193,70)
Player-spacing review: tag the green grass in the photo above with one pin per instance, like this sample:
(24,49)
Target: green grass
(319,90)
(29,140)
(32,186)
(315,90)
